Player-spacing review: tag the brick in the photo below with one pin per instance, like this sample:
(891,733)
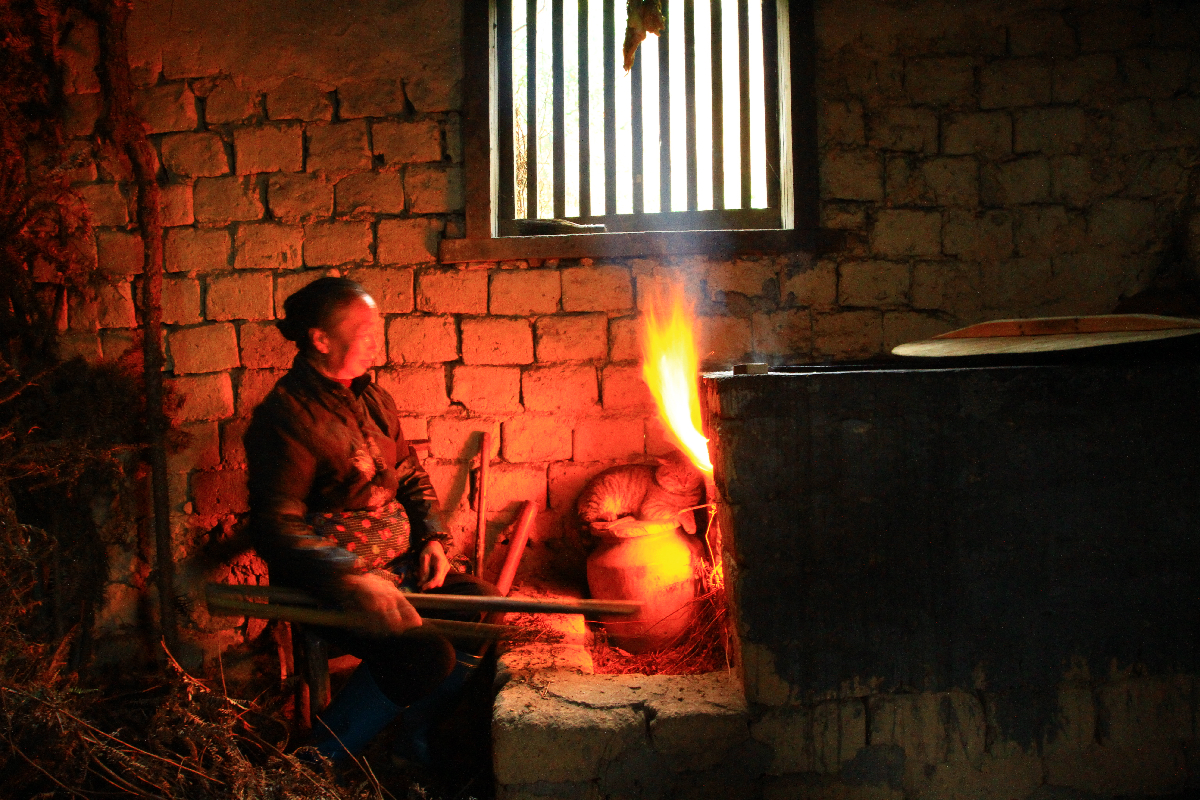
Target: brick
(1041,34)
(1114,28)
(180,301)
(566,481)
(624,389)
(369,193)
(623,339)
(106,204)
(409,241)
(815,285)
(899,233)
(596,289)
(1073,180)
(1014,82)
(202,451)
(338,149)
(453,138)
(904,183)
(752,278)
(572,338)
(1049,230)
(229,103)
(73,344)
(115,304)
(487,389)
(219,201)
(1159,74)
(531,437)
(523,292)
(79,51)
(297,98)
(497,341)
(1086,78)
(436,90)
(119,252)
(1128,225)
(913,130)
(455,438)
(1049,130)
(561,389)
(255,384)
(1023,180)
(333,243)
(417,390)
(947,286)
(392,289)
(407,142)
(299,197)
(233,446)
(82,312)
(847,334)
(1009,286)
(167,108)
(512,484)
(722,340)
(175,207)
(987,133)
(262,346)
(901,327)
(421,340)
(841,124)
(873,283)
(205,348)
(288,283)
(940,81)
(786,333)
(267,245)
(953,181)
(196,250)
(434,190)
(372,98)
(220,492)
(268,148)
(79,162)
(242,295)
(81,113)
(194,155)
(452,291)
(609,439)
(851,175)
(986,236)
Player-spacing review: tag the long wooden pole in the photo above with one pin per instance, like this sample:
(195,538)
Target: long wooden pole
(516,547)
(485,456)
(440,602)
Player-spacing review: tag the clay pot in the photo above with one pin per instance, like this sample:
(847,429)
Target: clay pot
(653,563)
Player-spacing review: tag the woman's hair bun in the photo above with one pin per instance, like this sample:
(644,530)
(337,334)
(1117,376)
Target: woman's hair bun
(314,305)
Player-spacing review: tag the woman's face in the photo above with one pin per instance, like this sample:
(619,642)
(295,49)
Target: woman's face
(346,347)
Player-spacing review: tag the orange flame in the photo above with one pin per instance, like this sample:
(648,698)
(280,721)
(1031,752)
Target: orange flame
(671,369)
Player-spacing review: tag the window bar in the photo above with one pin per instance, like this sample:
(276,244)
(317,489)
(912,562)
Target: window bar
(585,120)
(505,192)
(664,123)
(689,80)
(610,108)
(718,110)
(770,21)
(531,187)
(560,111)
(635,127)
(744,95)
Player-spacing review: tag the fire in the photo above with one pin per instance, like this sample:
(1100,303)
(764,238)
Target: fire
(670,368)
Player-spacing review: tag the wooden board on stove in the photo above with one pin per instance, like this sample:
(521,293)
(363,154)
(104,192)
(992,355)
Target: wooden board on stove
(1046,334)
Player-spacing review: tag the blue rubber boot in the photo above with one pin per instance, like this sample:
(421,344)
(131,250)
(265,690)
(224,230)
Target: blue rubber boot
(412,742)
(358,712)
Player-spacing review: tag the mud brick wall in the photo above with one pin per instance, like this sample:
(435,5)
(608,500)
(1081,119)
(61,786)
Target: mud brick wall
(985,160)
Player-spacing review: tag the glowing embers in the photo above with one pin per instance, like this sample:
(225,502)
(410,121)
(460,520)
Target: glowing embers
(670,368)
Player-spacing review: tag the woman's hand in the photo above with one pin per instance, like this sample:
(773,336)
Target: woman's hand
(385,608)
(434,565)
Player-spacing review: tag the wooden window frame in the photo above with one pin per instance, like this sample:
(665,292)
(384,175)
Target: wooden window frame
(800,232)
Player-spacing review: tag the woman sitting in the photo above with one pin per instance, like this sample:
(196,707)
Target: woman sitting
(341,507)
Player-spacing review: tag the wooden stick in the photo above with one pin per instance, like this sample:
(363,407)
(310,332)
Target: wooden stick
(226,606)
(516,547)
(442,602)
(485,456)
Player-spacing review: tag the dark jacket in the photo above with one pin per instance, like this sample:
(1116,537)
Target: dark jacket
(300,449)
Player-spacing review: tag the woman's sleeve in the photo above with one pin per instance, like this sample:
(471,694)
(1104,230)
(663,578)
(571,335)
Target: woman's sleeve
(416,493)
(280,474)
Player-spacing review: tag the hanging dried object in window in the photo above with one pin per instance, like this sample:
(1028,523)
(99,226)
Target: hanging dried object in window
(644,16)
